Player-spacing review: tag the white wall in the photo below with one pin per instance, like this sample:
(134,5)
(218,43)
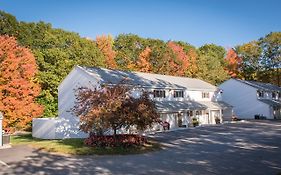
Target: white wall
(56,128)
(44,128)
(244,100)
(197,95)
(227,114)
(66,125)
(69,126)
(194,95)
(66,97)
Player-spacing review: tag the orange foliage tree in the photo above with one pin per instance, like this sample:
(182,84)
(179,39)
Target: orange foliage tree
(193,67)
(233,63)
(18,88)
(143,63)
(105,44)
(181,63)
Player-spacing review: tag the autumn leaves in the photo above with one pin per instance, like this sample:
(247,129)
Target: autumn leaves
(18,86)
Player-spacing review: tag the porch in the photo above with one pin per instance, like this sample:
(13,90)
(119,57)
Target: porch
(181,114)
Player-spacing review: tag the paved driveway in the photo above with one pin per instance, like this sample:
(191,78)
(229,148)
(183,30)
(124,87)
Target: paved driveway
(244,148)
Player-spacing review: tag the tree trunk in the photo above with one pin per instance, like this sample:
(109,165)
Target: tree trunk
(115,131)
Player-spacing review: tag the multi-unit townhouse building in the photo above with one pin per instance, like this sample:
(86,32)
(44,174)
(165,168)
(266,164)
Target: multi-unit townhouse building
(178,100)
(251,98)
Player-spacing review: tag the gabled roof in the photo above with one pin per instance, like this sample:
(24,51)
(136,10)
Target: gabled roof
(260,85)
(271,102)
(147,80)
(216,104)
(176,106)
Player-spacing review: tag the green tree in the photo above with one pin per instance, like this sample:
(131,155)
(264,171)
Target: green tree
(261,59)
(8,24)
(250,54)
(211,64)
(271,57)
(56,52)
(128,47)
(160,57)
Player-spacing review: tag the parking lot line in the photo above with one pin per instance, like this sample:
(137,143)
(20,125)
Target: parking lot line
(3,163)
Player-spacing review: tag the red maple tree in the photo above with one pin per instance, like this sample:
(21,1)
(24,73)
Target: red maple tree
(18,87)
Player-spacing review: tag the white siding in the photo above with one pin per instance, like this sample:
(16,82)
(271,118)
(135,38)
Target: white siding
(44,128)
(188,95)
(197,95)
(227,114)
(244,100)
(66,125)
(75,79)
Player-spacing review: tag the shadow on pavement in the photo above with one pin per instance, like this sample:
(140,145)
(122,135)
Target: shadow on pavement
(242,148)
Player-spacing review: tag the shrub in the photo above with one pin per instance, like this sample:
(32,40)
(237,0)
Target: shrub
(121,140)
(195,122)
(217,120)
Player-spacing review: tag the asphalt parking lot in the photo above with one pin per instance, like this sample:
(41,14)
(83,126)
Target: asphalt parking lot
(241,148)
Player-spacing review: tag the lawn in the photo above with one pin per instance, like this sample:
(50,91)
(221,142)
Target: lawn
(77,147)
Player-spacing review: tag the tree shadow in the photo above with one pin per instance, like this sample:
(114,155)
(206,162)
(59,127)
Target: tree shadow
(242,148)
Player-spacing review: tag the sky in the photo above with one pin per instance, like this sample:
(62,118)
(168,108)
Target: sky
(223,22)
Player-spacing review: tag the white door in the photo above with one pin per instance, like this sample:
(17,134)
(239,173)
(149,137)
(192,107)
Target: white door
(213,115)
(276,113)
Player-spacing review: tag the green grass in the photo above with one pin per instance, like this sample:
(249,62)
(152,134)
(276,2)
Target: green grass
(77,147)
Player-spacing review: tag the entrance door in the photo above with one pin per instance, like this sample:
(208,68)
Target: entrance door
(213,115)
(276,113)
(179,119)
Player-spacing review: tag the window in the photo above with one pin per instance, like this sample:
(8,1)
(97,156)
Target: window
(159,94)
(274,95)
(189,113)
(178,94)
(205,95)
(260,94)
(198,113)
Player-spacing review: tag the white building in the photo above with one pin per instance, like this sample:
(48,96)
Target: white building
(178,100)
(250,98)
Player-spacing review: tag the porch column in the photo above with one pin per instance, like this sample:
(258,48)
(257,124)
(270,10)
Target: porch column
(209,116)
(221,115)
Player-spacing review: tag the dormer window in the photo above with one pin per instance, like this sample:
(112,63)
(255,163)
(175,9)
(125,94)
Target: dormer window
(260,94)
(205,95)
(159,94)
(178,94)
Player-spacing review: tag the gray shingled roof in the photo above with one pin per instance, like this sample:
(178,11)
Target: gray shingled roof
(149,80)
(176,106)
(271,102)
(260,85)
(216,105)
